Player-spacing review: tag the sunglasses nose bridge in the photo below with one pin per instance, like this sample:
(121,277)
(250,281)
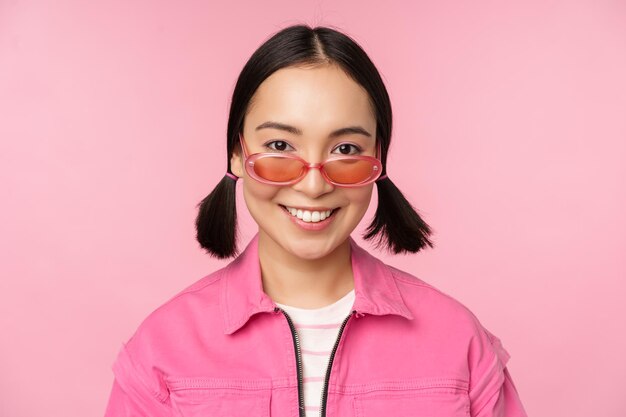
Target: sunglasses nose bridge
(320,167)
(306,167)
(313,183)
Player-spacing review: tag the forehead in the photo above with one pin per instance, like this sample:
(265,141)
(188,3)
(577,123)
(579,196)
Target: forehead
(312,98)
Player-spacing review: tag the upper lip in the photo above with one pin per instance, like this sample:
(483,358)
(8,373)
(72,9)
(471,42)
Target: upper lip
(308,208)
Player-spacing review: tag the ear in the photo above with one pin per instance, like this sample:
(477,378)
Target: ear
(236,162)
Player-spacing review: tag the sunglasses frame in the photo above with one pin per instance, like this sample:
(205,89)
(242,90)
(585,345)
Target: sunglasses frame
(250,160)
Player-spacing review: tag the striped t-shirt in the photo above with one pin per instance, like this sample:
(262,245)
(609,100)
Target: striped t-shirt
(317,329)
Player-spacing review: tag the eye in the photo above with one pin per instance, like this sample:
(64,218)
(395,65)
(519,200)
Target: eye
(279,145)
(347,149)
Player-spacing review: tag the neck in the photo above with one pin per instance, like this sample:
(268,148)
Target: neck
(304,283)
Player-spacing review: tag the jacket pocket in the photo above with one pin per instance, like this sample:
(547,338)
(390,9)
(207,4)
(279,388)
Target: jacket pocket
(432,397)
(202,397)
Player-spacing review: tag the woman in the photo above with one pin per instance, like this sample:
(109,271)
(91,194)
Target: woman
(304,322)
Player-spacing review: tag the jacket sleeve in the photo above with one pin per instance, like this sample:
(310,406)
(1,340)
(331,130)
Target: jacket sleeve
(134,393)
(505,402)
(492,391)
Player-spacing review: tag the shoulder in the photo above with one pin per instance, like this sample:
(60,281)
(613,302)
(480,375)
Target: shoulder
(431,305)
(427,304)
(158,337)
(454,322)
(419,294)
(177,318)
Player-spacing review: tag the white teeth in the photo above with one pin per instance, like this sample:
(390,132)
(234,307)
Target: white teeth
(309,216)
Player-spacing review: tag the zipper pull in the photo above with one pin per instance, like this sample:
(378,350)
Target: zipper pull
(357,314)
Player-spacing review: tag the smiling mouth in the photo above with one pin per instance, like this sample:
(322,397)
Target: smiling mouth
(309,216)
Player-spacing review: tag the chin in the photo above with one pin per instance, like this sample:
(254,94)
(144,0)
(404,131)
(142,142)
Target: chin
(308,250)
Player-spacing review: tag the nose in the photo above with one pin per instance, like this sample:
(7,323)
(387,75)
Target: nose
(313,184)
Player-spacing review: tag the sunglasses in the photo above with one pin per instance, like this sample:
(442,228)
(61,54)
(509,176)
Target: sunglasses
(276,168)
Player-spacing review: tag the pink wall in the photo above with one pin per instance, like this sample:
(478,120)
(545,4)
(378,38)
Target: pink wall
(510,127)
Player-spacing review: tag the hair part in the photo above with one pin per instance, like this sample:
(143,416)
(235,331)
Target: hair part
(396,224)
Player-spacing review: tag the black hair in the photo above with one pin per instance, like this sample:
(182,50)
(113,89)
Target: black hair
(396,224)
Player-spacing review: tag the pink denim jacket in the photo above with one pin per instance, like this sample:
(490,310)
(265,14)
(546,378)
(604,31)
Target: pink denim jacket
(221,347)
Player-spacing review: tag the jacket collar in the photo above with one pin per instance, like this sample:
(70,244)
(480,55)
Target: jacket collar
(242,295)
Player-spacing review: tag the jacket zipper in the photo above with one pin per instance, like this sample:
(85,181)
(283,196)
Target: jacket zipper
(330,365)
(296,344)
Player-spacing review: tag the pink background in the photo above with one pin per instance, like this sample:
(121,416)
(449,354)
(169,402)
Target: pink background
(510,138)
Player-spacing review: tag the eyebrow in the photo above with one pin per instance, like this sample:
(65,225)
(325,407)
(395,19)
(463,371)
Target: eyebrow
(348,130)
(294,130)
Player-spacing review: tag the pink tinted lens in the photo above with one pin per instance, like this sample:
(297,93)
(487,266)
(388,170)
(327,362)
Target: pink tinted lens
(349,171)
(278,169)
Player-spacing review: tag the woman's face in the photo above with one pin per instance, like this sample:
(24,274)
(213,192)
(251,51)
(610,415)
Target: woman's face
(310,104)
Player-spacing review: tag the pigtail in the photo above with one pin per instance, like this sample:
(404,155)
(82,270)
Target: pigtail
(396,224)
(216,224)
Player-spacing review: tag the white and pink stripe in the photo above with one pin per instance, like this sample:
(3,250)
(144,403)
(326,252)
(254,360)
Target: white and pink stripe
(317,330)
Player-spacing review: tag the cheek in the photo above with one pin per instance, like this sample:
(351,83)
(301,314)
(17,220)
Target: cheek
(360,198)
(256,194)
